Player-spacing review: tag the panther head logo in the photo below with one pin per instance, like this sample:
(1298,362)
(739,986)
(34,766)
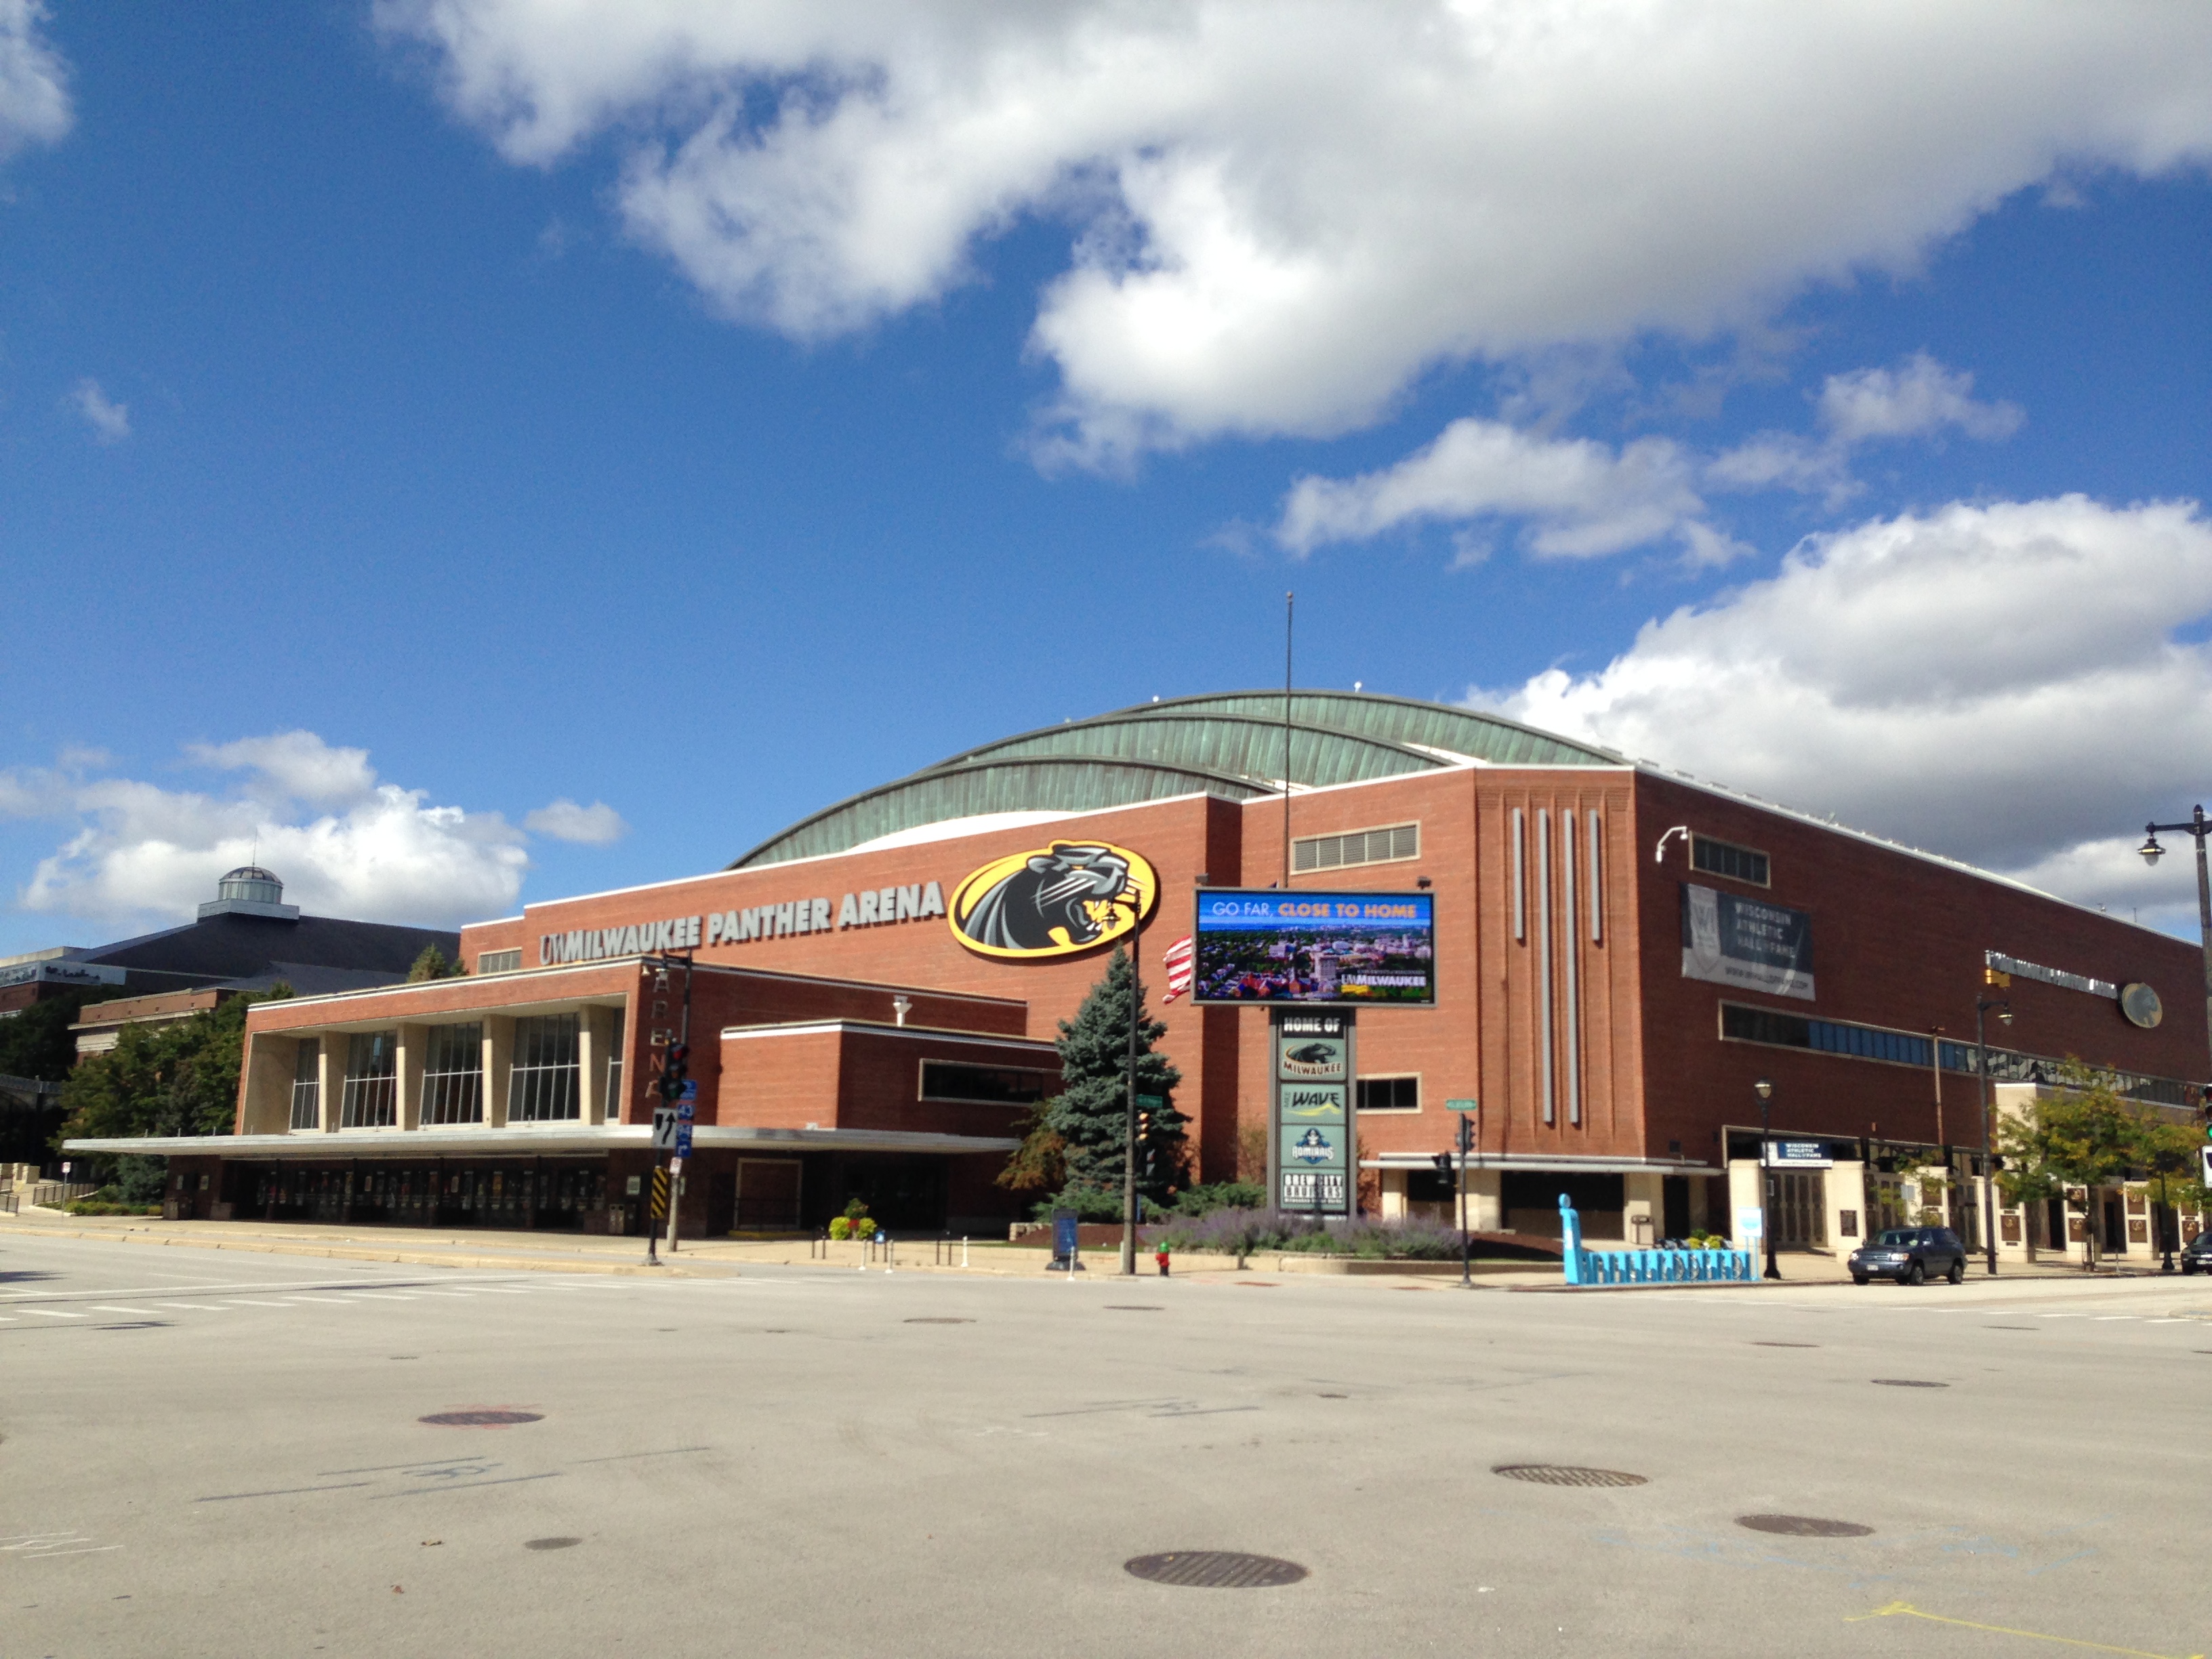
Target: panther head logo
(1058,900)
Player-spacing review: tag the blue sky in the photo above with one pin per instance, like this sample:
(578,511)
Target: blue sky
(477,451)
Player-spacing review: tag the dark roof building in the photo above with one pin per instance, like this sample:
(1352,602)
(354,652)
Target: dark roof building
(245,939)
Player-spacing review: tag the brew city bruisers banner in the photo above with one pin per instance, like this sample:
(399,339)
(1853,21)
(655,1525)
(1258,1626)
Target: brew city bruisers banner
(1314,1131)
(1745,942)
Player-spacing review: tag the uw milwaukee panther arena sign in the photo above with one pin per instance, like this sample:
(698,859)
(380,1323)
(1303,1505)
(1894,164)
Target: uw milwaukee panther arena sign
(1054,902)
(915,901)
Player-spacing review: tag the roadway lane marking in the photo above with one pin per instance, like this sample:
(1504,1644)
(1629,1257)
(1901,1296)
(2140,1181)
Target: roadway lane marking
(334,1301)
(2106,1318)
(193,1307)
(380,1295)
(54,1313)
(248,1302)
(142,1313)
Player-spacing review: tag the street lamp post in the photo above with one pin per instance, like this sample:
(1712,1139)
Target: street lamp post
(2199,827)
(1764,1089)
(1982,1006)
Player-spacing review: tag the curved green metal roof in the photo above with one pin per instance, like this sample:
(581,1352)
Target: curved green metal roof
(1229,744)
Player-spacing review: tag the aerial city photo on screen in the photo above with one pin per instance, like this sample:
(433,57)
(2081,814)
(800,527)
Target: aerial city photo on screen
(1272,946)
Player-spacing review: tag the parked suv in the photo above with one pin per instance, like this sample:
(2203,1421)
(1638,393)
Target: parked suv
(1910,1254)
(2196,1257)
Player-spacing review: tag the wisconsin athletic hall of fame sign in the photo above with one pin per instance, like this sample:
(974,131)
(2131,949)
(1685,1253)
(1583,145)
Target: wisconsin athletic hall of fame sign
(1313,1133)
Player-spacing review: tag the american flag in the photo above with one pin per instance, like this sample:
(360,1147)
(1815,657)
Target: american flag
(1177,963)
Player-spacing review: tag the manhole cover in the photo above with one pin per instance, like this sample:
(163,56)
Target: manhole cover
(1803,1525)
(550,1543)
(1906,1383)
(1562,1474)
(1785,1344)
(1215,1570)
(941,1321)
(480,1420)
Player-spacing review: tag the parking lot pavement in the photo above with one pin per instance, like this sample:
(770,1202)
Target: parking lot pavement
(271,1454)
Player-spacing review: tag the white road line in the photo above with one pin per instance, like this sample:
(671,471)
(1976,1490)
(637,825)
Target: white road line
(335,1301)
(248,1302)
(2169,1321)
(380,1295)
(54,1313)
(193,1307)
(140,1312)
(2106,1318)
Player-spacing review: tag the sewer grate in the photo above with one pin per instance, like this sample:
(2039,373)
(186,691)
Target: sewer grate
(1785,1344)
(939,1320)
(1803,1525)
(1564,1474)
(1215,1570)
(1906,1383)
(550,1543)
(480,1420)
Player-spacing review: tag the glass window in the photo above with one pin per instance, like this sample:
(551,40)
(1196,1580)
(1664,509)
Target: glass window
(994,1086)
(1384,846)
(615,1102)
(499,962)
(1737,863)
(371,1100)
(307,1084)
(1389,1094)
(541,1086)
(452,1075)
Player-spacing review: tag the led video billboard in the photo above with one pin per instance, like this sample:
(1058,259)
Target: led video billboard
(1349,949)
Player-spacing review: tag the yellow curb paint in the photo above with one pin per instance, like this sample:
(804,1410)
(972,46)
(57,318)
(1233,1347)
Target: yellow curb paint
(1906,1609)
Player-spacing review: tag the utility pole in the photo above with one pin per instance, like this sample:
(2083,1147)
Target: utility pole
(1289,618)
(1982,1006)
(1129,1159)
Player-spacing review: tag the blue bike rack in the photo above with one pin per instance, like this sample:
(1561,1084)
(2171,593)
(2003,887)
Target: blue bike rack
(1586,1266)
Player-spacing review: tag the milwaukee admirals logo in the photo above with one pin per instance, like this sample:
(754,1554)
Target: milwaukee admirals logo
(1072,896)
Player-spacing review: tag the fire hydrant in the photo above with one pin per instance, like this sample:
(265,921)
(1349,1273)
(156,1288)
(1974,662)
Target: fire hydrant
(1161,1256)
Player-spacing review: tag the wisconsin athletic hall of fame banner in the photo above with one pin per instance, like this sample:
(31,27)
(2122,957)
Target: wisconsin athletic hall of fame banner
(1314,1130)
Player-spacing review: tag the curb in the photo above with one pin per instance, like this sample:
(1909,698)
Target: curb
(342,1253)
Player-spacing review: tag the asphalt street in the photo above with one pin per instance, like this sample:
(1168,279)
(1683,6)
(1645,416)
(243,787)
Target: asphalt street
(209,1454)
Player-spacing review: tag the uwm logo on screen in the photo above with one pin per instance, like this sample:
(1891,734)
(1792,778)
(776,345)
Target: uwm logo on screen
(1054,902)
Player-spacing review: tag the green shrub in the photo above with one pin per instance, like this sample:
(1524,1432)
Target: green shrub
(840,1227)
(1220,1195)
(103,1206)
(865,1227)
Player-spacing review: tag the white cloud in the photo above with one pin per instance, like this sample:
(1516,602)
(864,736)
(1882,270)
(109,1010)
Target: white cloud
(596,825)
(1581,497)
(2009,683)
(1282,212)
(344,843)
(35,104)
(1922,396)
(110,422)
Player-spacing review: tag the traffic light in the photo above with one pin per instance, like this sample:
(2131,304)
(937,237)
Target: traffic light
(1443,1162)
(1991,976)
(675,1066)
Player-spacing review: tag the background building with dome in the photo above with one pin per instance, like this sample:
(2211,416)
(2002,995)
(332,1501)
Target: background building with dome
(1620,952)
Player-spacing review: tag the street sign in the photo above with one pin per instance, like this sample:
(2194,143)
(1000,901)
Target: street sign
(683,1142)
(1152,1102)
(690,1094)
(2205,1153)
(1750,1222)
(1462,1106)
(687,1108)
(663,1128)
(659,1194)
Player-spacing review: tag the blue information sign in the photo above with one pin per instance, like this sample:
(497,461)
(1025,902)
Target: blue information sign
(682,1139)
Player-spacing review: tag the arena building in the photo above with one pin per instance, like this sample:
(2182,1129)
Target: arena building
(1621,952)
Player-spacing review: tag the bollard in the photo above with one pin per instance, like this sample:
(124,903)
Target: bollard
(964,1249)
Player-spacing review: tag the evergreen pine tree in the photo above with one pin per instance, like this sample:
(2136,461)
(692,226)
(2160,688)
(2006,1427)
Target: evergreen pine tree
(1089,1115)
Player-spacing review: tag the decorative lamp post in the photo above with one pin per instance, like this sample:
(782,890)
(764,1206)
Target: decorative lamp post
(2152,852)
(1982,1006)
(1764,1089)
